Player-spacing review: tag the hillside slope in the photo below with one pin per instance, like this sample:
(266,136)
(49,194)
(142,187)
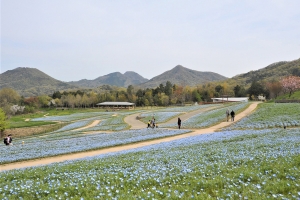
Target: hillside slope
(31,82)
(272,72)
(180,75)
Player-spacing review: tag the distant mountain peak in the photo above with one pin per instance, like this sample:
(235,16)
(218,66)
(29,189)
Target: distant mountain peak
(31,82)
(180,75)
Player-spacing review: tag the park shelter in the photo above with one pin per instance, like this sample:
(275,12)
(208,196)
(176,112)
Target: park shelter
(116,105)
(230,99)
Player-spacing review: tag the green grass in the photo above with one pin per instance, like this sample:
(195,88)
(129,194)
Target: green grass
(295,95)
(19,122)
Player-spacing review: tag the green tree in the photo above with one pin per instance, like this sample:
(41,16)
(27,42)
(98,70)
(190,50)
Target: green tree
(56,94)
(169,88)
(130,90)
(8,97)
(219,88)
(196,96)
(3,123)
(44,100)
(239,91)
(256,89)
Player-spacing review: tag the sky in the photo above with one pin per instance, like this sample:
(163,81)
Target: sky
(72,40)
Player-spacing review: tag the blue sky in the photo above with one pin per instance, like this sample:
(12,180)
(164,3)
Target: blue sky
(72,40)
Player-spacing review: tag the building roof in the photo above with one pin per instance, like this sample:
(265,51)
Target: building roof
(231,99)
(115,104)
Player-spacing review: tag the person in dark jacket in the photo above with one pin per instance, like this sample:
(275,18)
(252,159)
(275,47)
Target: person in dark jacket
(8,140)
(179,122)
(232,115)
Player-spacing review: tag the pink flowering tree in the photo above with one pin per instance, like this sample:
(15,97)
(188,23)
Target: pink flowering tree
(291,84)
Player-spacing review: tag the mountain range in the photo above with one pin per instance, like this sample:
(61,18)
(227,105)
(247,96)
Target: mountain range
(33,82)
(116,79)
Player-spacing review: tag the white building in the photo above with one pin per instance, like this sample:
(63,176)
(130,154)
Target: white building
(261,98)
(231,99)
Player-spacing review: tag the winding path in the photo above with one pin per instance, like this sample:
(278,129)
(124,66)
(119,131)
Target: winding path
(94,123)
(74,156)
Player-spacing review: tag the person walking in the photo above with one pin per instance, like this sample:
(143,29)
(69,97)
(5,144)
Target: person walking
(179,122)
(153,125)
(149,122)
(227,114)
(232,115)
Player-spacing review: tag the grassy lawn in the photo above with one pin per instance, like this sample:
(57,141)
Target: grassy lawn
(295,95)
(19,122)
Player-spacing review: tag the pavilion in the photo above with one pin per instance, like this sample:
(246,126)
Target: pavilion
(117,105)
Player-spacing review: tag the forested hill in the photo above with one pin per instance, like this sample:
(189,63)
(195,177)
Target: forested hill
(272,72)
(115,79)
(31,82)
(180,75)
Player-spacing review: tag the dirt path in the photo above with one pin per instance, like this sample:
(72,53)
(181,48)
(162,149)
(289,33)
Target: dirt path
(88,126)
(135,123)
(45,161)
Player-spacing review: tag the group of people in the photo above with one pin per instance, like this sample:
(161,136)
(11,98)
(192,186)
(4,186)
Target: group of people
(8,140)
(228,114)
(152,123)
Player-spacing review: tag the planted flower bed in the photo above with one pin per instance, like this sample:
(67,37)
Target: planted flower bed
(209,118)
(158,116)
(70,142)
(270,115)
(261,164)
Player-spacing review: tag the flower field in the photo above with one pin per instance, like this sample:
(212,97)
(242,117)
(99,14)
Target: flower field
(187,108)
(209,118)
(75,141)
(114,123)
(159,116)
(255,158)
(74,125)
(240,164)
(270,115)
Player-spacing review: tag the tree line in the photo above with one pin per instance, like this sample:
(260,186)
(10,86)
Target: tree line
(163,95)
